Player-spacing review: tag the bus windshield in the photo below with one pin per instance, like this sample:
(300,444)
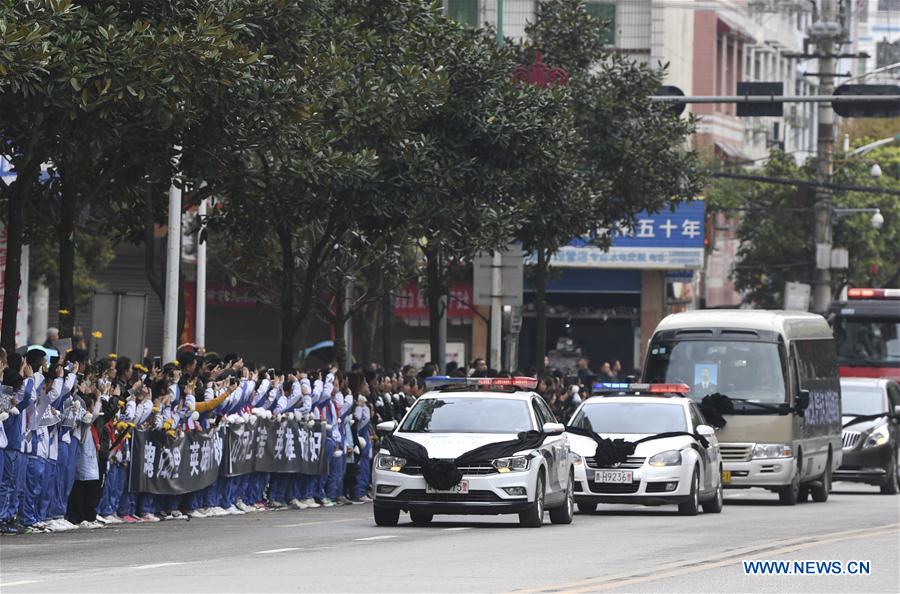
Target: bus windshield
(867,340)
(751,371)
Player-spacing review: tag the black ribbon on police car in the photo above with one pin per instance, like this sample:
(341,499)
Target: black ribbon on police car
(611,452)
(862,419)
(445,474)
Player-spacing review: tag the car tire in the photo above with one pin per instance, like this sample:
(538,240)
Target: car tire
(790,494)
(716,503)
(692,505)
(533,517)
(891,486)
(566,512)
(421,518)
(386,516)
(587,507)
(822,488)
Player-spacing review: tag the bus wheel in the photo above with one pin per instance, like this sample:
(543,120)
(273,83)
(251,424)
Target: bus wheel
(790,494)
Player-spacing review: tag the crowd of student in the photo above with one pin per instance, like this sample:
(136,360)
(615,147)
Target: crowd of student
(67,426)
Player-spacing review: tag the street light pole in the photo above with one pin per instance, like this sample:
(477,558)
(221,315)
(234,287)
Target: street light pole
(497,261)
(825,46)
(173,262)
(200,324)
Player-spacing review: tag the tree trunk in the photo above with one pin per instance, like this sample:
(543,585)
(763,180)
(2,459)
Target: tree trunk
(540,306)
(368,327)
(12,277)
(387,320)
(67,258)
(288,326)
(150,271)
(339,319)
(435,290)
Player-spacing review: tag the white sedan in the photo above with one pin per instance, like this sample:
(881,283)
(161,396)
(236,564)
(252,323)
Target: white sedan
(679,469)
(475,447)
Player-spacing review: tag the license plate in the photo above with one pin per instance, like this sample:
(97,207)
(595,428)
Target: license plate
(613,476)
(461,489)
(726,476)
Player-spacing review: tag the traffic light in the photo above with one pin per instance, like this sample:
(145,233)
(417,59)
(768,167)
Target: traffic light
(671,91)
(888,108)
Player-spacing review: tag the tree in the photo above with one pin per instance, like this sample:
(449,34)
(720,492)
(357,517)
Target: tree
(629,156)
(776,226)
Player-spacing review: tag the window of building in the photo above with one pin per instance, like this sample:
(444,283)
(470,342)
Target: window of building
(607,12)
(888,5)
(464,12)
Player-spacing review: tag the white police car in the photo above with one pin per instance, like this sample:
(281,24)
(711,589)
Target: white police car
(495,440)
(677,460)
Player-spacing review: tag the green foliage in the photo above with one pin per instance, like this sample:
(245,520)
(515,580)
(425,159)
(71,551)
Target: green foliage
(776,226)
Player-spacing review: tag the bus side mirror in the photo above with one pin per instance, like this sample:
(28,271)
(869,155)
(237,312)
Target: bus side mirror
(802,401)
(897,411)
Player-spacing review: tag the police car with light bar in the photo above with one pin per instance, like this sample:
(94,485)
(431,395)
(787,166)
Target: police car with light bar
(867,333)
(458,416)
(675,462)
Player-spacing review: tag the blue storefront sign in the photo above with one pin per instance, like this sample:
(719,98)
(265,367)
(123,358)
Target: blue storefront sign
(669,240)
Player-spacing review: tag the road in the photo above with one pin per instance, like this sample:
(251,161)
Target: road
(618,549)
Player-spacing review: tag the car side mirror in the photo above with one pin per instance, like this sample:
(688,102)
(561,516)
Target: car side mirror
(554,428)
(386,426)
(801,403)
(897,411)
(705,430)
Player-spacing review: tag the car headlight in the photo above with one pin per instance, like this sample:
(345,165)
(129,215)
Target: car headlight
(513,464)
(877,437)
(667,458)
(577,460)
(387,462)
(772,450)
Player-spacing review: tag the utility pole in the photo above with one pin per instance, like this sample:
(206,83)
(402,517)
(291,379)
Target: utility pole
(497,262)
(200,323)
(825,32)
(173,262)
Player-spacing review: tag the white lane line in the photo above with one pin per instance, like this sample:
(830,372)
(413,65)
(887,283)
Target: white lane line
(19,583)
(382,537)
(157,565)
(457,528)
(318,522)
(269,552)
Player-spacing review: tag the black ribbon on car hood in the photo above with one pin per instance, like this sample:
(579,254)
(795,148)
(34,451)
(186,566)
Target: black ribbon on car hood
(444,474)
(610,452)
(714,406)
(862,419)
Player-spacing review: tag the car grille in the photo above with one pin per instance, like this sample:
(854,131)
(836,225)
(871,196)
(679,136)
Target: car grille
(735,453)
(614,488)
(630,462)
(479,469)
(471,496)
(850,439)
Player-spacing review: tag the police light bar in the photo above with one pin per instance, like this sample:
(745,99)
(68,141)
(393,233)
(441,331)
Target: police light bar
(858,293)
(442,381)
(618,387)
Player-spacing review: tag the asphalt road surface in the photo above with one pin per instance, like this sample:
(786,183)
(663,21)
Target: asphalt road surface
(618,549)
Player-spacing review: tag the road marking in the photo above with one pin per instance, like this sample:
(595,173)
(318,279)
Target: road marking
(276,551)
(319,522)
(382,537)
(156,565)
(457,528)
(19,583)
(773,548)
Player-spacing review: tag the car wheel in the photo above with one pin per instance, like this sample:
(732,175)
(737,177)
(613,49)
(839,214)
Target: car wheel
(420,517)
(533,517)
(565,513)
(891,486)
(692,505)
(587,507)
(790,494)
(386,516)
(820,490)
(715,505)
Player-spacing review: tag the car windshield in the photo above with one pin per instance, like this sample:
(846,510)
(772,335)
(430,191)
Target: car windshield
(447,414)
(856,400)
(867,340)
(751,371)
(624,417)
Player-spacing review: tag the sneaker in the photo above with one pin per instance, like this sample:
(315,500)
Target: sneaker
(129,519)
(67,525)
(234,511)
(113,519)
(244,507)
(150,517)
(217,511)
(343,500)
(90,525)
(357,501)
(277,505)
(197,513)
(297,504)
(365,499)
(328,503)
(176,515)
(311,503)
(40,527)
(101,520)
